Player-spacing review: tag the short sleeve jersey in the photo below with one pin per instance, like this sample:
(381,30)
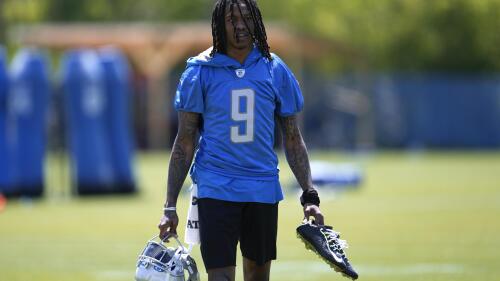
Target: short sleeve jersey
(238,104)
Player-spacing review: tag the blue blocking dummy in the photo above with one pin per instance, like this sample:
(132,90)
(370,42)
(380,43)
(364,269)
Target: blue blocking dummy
(27,109)
(88,108)
(117,85)
(4,179)
(85,98)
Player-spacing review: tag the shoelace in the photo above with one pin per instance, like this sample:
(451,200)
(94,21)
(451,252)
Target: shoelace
(332,238)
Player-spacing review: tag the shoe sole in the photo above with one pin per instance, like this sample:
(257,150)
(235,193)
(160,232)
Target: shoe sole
(311,248)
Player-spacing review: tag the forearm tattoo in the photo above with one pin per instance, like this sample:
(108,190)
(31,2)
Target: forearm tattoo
(296,151)
(182,154)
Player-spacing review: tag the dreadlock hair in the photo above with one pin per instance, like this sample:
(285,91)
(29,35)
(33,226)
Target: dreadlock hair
(219,27)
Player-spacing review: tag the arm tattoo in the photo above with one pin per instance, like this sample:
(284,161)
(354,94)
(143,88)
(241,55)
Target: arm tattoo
(296,151)
(182,154)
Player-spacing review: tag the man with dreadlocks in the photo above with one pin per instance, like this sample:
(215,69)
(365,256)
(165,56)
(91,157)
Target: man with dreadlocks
(231,94)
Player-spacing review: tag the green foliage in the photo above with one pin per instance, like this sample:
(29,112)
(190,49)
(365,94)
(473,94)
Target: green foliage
(432,35)
(105,10)
(386,35)
(127,10)
(23,11)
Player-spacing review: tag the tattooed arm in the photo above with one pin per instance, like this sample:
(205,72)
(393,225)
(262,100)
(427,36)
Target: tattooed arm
(298,160)
(180,162)
(182,155)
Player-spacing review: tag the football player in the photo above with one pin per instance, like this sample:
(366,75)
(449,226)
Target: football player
(231,94)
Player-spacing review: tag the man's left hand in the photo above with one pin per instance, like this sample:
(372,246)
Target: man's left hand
(311,210)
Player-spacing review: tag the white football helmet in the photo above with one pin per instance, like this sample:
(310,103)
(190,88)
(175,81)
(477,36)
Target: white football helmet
(160,263)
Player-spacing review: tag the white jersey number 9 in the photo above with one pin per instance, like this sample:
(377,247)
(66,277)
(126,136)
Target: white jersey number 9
(248,116)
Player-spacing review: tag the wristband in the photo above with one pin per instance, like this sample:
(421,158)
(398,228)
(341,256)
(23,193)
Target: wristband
(310,196)
(166,209)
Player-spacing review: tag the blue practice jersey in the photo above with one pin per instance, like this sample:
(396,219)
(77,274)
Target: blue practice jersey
(235,160)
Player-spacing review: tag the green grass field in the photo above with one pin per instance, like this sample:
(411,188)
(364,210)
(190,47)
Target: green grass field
(432,216)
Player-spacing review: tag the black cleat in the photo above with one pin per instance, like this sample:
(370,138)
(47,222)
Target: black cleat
(326,243)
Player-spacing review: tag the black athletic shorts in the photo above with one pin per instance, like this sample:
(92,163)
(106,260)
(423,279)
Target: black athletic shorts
(224,223)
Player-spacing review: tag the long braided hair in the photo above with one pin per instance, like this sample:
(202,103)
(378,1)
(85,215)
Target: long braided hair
(219,27)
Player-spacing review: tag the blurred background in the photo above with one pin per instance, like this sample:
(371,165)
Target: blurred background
(401,117)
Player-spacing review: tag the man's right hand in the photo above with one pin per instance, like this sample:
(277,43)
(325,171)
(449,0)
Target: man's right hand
(168,225)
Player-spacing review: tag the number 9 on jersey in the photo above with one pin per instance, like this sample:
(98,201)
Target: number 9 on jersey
(248,95)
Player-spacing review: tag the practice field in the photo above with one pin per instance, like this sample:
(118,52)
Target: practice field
(432,216)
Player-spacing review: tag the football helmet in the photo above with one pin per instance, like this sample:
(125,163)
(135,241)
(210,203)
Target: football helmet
(157,262)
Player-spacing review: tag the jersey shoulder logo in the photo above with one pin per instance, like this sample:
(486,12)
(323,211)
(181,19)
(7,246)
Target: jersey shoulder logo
(240,72)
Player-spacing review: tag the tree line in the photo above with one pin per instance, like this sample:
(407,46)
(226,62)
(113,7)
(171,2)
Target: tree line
(387,35)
